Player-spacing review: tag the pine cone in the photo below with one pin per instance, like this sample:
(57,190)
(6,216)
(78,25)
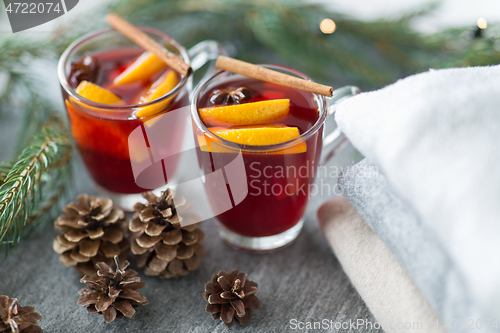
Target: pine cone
(93,231)
(15,318)
(231,297)
(161,245)
(113,294)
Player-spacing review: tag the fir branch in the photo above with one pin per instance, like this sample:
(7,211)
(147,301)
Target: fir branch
(4,171)
(39,168)
(48,205)
(368,54)
(464,48)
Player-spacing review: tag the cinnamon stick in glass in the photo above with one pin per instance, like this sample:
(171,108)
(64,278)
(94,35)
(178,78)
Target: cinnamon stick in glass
(149,44)
(265,74)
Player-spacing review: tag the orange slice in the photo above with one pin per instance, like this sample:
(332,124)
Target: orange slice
(246,114)
(160,88)
(97,94)
(252,135)
(262,135)
(143,68)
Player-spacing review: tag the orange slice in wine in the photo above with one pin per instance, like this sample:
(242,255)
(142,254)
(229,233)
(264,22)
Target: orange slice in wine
(160,88)
(257,135)
(261,135)
(97,94)
(143,68)
(255,113)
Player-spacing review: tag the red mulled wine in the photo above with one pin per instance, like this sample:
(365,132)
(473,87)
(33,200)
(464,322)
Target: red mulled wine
(277,182)
(102,135)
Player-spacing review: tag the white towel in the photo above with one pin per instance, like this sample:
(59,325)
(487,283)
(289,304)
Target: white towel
(436,136)
(382,282)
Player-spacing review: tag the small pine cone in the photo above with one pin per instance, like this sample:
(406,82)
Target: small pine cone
(112,294)
(231,297)
(162,246)
(15,318)
(93,231)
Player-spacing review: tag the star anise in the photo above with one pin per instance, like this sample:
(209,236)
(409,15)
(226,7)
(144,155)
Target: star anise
(83,69)
(230,97)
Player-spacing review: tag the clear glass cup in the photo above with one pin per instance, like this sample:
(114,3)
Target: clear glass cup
(256,209)
(104,134)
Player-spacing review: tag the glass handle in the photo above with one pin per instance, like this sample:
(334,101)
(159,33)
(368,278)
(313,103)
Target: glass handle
(203,53)
(336,140)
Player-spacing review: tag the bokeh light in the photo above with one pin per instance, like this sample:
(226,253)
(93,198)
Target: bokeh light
(482,23)
(327,26)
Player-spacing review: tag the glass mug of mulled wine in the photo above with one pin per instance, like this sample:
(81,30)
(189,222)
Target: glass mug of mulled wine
(258,147)
(113,88)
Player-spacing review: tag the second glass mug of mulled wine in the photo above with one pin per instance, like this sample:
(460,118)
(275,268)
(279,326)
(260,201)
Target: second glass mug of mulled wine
(259,159)
(112,87)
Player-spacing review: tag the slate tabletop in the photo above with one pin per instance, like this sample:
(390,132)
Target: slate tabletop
(298,285)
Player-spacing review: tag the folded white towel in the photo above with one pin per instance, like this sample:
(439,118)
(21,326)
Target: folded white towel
(382,282)
(436,136)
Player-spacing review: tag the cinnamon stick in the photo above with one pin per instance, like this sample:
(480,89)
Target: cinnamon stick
(265,74)
(147,43)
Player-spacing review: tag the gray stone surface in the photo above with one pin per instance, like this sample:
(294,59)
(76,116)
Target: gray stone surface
(303,281)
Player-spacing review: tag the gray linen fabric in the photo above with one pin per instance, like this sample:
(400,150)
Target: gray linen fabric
(413,244)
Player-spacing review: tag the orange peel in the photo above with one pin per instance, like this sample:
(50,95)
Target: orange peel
(160,88)
(98,94)
(262,135)
(143,68)
(255,113)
